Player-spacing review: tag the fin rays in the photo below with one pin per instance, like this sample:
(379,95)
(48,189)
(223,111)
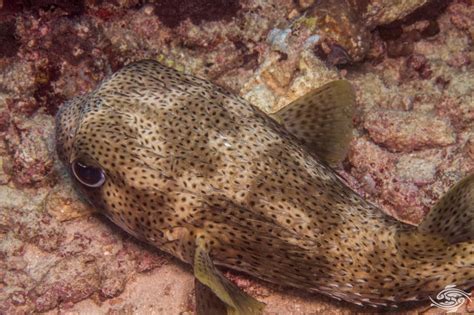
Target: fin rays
(322,120)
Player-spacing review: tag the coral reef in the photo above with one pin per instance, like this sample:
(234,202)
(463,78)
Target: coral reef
(343,27)
(409,61)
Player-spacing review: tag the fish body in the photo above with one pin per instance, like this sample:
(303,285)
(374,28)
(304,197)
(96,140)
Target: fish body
(186,166)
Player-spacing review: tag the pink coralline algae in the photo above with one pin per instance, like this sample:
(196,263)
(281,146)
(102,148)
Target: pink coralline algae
(408,131)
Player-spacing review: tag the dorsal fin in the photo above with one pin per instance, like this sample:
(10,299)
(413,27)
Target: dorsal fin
(322,120)
(452,217)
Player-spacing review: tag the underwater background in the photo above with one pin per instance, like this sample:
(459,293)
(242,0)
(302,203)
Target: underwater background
(410,62)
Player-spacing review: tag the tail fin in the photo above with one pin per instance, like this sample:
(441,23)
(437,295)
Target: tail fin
(452,217)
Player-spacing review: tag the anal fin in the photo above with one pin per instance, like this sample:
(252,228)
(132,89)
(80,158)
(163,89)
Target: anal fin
(322,120)
(452,218)
(236,301)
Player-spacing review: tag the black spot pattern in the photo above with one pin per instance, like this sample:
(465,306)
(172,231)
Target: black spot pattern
(185,159)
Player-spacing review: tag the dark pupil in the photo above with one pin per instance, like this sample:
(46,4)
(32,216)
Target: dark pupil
(88,175)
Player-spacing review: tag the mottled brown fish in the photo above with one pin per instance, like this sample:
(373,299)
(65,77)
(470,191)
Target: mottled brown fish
(203,175)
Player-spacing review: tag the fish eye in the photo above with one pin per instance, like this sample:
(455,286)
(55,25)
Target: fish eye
(90,176)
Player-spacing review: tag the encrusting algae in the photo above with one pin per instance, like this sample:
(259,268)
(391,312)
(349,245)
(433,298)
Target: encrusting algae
(184,165)
(345,25)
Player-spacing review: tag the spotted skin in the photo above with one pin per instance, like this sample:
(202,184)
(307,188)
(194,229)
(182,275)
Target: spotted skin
(186,160)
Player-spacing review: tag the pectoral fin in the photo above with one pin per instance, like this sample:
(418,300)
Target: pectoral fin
(236,301)
(207,303)
(322,120)
(452,217)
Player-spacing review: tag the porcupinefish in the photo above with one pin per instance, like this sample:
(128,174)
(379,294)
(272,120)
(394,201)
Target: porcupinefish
(203,175)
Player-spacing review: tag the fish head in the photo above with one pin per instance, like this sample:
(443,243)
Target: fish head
(68,120)
(98,147)
(81,140)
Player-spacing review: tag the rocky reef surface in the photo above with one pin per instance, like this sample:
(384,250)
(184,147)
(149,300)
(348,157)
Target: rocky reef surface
(410,61)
